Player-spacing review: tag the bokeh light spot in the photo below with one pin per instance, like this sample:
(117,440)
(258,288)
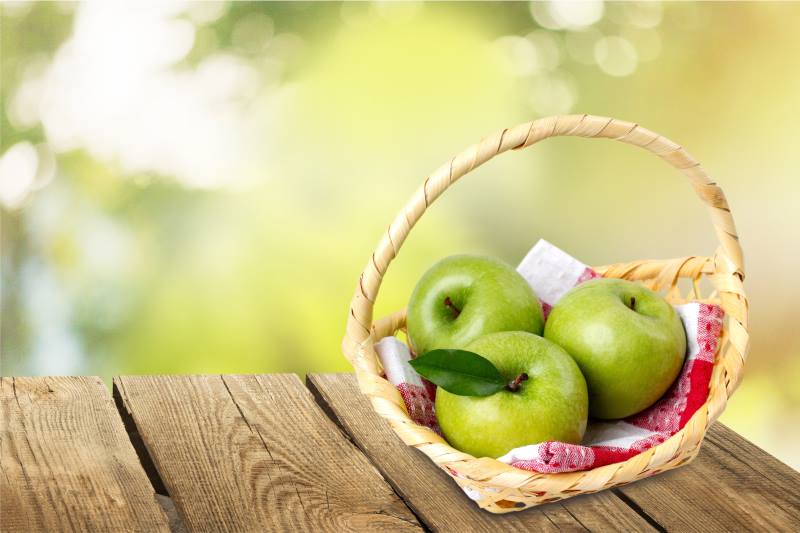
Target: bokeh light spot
(18,168)
(517,55)
(580,44)
(553,94)
(547,46)
(616,56)
(644,14)
(252,33)
(207,11)
(565,14)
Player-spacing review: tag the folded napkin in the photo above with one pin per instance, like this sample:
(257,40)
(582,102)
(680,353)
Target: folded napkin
(552,273)
(418,393)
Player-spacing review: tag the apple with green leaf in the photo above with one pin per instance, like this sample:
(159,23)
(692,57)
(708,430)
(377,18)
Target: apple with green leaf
(463,297)
(627,340)
(506,390)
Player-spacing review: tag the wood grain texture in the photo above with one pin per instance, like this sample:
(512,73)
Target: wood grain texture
(255,453)
(66,461)
(732,485)
(435,498)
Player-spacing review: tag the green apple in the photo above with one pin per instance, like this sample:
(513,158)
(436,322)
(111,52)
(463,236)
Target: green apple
(463,297)
(550,401)
(627,340)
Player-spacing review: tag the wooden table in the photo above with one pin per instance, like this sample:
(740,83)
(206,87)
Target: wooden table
(266,452)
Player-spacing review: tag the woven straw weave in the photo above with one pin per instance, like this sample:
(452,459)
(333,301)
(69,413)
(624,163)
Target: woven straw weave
(503,488)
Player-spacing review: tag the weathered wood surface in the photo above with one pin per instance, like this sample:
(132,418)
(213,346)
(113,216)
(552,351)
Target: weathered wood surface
(66,461)
(436,498)
(256,453)
(732,485)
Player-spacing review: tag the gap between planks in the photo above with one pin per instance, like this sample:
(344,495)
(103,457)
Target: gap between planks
(434,496)
(244,453)
(67,463)
(639,506)
(731,485)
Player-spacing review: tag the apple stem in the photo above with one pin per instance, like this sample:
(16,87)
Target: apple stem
(449,303)
(514,384)
(633,302)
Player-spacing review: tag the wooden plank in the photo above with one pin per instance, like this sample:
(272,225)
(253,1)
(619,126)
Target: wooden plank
(255,453)
(732,485)
(66,461)
(434,496)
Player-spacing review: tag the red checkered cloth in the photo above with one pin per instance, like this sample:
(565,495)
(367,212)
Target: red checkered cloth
(552,273)
(418,393)
(613,442)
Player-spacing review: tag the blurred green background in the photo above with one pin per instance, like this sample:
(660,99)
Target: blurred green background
(195,187)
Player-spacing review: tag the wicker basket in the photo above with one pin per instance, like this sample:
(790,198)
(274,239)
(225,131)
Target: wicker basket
(502,488)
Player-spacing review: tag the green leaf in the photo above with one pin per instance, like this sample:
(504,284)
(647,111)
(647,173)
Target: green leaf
(460,372)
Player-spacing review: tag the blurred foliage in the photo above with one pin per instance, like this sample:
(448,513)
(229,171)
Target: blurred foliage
(194,187)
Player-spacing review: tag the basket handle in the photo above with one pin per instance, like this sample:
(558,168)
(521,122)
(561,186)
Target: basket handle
(728,257)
